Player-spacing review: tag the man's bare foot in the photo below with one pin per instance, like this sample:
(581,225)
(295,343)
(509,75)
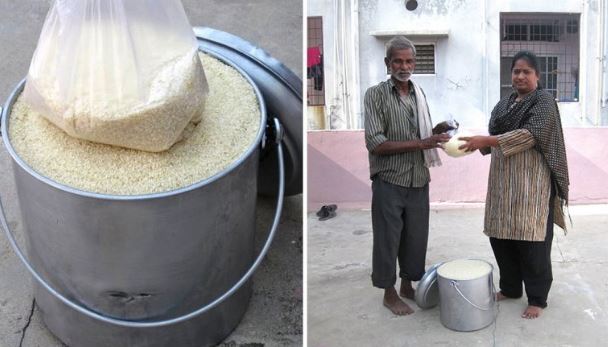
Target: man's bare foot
(395,304)
(532,312)
(407,291)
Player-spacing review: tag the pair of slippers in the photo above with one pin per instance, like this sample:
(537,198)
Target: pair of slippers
(326,212)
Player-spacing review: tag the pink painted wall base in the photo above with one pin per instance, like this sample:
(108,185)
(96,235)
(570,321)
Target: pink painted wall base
(338,170)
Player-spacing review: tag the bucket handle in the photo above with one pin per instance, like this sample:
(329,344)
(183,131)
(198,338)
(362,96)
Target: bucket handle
(492,292)
(278,128)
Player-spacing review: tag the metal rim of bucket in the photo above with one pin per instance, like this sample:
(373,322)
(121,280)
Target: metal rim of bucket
(259,137)
(279,132)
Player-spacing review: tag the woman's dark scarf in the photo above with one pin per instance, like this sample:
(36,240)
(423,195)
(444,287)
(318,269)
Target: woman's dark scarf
(537,113)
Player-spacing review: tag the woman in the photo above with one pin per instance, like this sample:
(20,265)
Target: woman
(527,185)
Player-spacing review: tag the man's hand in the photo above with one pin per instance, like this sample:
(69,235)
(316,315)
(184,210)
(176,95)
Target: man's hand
(434,141)
(442,128)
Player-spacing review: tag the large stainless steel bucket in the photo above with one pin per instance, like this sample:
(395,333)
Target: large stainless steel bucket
(167,269)
(467,305)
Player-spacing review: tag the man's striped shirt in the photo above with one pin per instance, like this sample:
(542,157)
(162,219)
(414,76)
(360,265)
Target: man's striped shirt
(388,117)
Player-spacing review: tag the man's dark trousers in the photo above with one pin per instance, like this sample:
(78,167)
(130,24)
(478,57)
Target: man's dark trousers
(400,222)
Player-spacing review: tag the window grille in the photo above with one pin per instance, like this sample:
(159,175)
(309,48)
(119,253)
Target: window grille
(315,73)
(425,59)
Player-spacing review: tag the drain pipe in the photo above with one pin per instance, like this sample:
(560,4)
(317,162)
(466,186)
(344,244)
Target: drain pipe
(601,58)
(603,33)
(356,84)
(486,63)
(584,67)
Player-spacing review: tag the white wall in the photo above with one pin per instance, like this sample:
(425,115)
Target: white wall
(467,79)
(456,86)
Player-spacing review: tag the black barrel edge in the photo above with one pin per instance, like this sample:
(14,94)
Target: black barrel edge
(282,93)
(233,42)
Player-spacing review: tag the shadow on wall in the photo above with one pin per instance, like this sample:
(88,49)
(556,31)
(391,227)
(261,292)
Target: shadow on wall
(337,169)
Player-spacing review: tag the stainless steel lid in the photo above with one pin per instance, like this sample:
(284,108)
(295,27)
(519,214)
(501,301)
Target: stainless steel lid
(427,292)
(282,93)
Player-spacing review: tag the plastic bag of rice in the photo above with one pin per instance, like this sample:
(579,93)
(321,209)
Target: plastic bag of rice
(451,147)
(119,72)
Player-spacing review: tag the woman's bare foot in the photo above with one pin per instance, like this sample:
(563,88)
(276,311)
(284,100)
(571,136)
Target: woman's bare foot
(532,312)
(500,296)
(395,304)
(407,291)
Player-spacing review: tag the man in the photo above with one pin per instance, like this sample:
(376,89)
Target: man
(402,147)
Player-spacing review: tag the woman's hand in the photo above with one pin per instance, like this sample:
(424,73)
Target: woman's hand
(474,143)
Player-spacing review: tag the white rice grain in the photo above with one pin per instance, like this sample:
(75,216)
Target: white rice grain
(464,269)
(231,120)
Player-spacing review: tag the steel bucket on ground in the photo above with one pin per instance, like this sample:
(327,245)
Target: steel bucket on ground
(166,269)
(467,305)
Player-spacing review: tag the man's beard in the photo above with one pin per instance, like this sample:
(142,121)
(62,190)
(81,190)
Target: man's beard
(401,76)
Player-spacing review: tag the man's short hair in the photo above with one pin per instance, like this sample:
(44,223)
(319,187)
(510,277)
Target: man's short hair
(397,43)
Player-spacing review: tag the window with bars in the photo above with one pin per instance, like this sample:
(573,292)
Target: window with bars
(315,90)
(572,26)
(544,32)
(535,32)
(548,74)
(425,60)
(554,39)
(515,32)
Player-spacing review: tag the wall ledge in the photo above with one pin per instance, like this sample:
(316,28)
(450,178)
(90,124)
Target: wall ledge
(412,33)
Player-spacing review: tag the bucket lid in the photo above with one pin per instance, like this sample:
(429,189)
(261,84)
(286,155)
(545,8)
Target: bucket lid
(282,93)
(427,292)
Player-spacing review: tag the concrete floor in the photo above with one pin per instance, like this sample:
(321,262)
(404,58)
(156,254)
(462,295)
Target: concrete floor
(345,310)
(274,317)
